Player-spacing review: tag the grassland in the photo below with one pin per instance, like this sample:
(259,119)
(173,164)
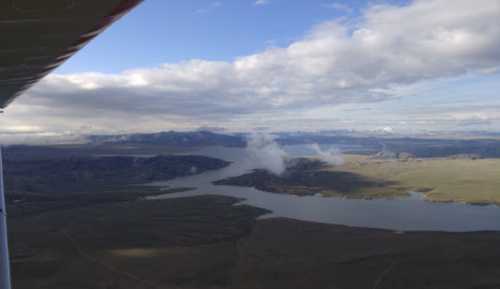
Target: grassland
(440,179)
(475,181)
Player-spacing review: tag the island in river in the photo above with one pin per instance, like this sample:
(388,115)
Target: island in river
(453,179)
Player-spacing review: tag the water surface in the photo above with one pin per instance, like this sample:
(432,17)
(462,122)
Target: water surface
(403,214)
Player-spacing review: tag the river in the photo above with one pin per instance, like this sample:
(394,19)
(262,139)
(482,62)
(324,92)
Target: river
(403,214)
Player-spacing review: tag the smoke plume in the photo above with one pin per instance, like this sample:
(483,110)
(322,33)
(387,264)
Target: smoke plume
(264,153)
(332,156)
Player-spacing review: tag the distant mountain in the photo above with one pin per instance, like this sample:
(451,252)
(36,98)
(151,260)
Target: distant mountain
(172,138)
(346,141)
(408,146)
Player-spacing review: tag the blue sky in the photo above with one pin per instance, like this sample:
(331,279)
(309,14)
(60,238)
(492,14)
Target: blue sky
(161,31)
(394,66)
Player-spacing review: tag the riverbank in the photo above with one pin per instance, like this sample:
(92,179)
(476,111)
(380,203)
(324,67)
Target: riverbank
(472,181)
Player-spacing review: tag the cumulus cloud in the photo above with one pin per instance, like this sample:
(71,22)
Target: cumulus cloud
(337,62)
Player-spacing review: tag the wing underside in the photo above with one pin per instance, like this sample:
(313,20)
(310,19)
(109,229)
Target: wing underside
(39,35)
(36,36)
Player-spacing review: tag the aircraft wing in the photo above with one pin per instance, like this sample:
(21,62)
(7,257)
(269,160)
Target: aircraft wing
(36,36)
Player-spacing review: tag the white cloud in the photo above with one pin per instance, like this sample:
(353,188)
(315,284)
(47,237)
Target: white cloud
(388,49)
(261,2)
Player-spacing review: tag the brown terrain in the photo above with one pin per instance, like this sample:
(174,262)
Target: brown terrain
(207,242)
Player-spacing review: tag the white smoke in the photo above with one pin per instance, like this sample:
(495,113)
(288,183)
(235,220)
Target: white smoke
(331,156)
(264,153)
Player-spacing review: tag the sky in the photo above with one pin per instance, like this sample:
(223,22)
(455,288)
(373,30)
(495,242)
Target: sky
(280,65)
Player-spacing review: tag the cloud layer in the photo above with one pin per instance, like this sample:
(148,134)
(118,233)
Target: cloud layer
(367,59)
